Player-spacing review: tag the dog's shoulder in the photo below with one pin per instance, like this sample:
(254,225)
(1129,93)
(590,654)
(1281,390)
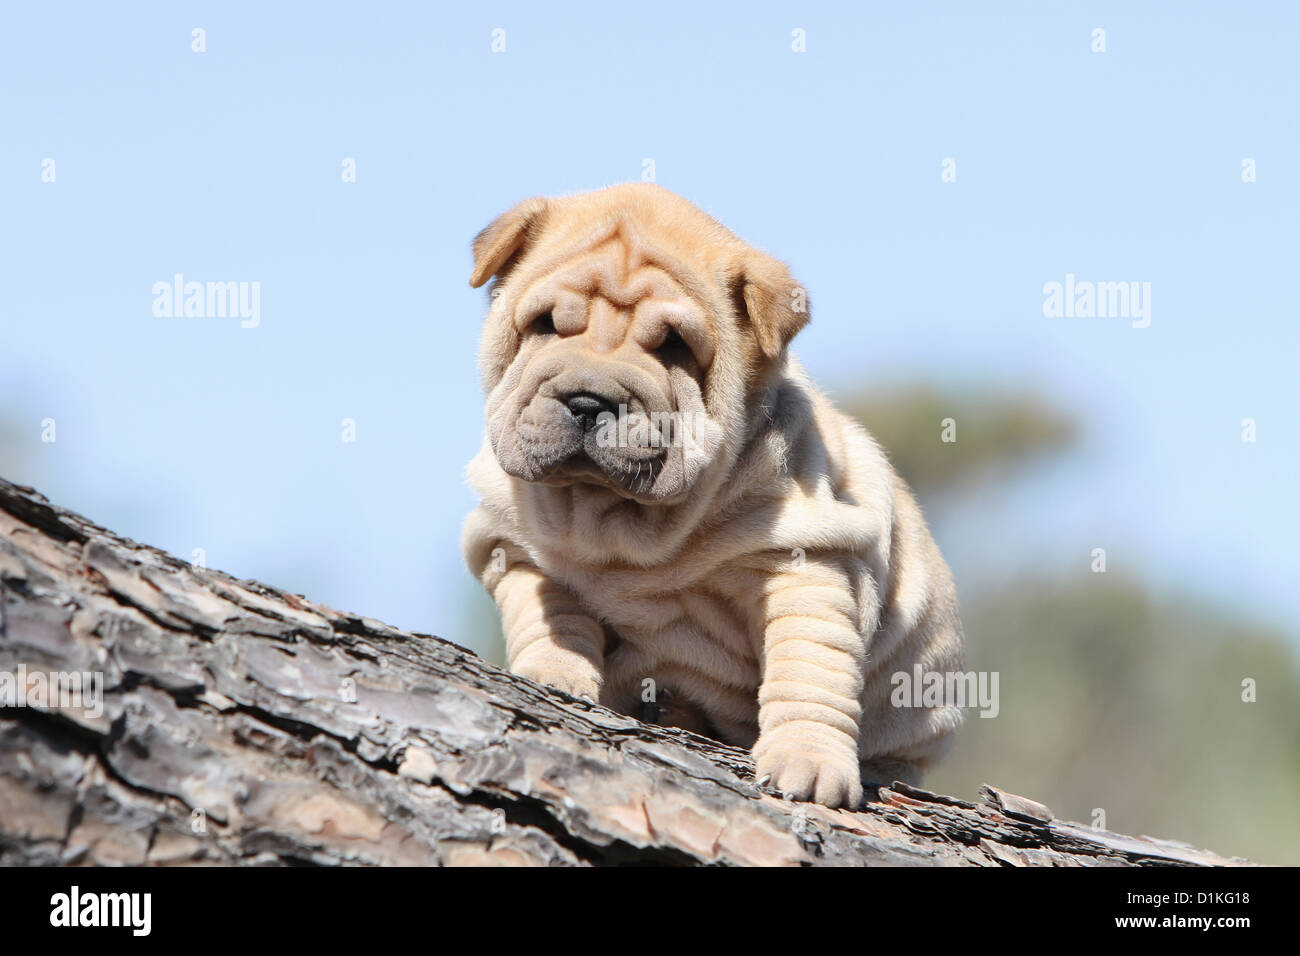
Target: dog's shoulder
(817,444)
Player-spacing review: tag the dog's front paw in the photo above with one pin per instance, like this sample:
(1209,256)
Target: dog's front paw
(801,767)
(577,678)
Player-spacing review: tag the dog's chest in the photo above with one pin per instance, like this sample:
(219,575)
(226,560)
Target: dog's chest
(688,656)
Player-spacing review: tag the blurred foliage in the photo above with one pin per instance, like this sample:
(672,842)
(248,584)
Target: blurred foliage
(1110,698)
(1116,700)
(11,456)
(992,430)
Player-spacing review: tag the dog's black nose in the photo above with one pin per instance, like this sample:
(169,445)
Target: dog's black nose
(586,408)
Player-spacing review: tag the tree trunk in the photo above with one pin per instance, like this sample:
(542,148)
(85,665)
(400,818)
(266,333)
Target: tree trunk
(241,724)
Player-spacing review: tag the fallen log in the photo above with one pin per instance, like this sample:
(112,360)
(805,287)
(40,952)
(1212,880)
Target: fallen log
(240,724)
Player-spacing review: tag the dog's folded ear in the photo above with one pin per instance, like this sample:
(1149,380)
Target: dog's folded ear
(768,298)
(507,236)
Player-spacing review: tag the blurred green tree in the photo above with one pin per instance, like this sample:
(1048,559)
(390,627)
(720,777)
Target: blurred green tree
(992,430)
(1111,699)
(12,459)
(1115,700)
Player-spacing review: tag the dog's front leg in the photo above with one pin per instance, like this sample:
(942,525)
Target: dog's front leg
(813,658)
(549,637)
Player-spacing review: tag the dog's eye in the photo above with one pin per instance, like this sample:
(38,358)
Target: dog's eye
(544,324)
(673,347)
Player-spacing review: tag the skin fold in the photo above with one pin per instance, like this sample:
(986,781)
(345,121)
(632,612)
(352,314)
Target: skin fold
(673,520)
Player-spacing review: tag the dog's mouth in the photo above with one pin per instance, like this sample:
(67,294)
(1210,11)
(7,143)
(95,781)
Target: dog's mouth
(642,439)
(631,476)
(585,438)
(605,446)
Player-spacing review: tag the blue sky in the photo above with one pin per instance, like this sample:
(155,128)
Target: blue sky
(226,166)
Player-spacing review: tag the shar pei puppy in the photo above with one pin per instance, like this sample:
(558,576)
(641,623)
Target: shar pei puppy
(675,522)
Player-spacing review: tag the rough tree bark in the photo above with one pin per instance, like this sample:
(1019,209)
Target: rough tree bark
(242,724)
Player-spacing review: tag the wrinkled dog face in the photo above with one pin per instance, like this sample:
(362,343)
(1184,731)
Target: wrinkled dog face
(607,386)
(626,330)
